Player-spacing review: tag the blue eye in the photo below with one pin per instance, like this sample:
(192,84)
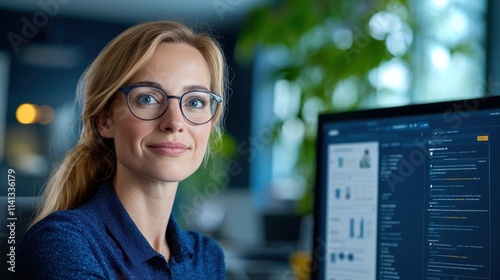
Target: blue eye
(146,99)
(195,103)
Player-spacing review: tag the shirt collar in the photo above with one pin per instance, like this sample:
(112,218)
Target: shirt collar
(120,225)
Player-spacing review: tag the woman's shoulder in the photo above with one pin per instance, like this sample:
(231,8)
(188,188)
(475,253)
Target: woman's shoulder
(200,239)
(57,229)
(56,244)
(65,220)
(206,245)
(191,240)
(61,229)
(81,218)
(206,258)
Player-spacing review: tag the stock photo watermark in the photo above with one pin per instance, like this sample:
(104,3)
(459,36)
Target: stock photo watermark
(388,22)
(308,265)
(407,166)
(31,27)
(361,41)
(223,6)
(221,179)
(211,190)
(11,220)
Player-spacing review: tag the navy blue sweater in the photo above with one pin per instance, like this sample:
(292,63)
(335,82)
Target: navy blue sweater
(100,241)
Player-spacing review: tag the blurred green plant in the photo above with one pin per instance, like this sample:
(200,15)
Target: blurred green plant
(327,44)
(207,182)
(220,154)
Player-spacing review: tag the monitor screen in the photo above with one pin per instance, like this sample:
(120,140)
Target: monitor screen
(409,192)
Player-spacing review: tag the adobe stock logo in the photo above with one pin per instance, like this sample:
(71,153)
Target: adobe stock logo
(223,6)
(30,28)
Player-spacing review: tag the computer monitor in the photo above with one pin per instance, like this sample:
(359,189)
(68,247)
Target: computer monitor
(409,192)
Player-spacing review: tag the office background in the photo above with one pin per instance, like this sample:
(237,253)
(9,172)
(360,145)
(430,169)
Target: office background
(288,61)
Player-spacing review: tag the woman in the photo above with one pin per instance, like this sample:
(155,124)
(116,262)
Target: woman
(152,99)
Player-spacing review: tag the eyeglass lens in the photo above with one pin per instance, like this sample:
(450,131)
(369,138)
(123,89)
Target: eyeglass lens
(150,103)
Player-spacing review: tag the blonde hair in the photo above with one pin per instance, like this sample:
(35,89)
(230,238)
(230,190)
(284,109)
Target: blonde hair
(93,158)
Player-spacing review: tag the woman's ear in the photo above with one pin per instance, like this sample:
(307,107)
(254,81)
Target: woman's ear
(105,125)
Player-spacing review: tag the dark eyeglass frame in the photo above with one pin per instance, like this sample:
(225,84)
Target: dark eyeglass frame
(126,90)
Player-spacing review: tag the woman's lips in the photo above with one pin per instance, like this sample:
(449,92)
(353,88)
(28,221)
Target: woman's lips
(170,148)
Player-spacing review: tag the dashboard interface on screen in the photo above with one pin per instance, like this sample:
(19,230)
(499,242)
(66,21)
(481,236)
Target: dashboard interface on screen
(409,193)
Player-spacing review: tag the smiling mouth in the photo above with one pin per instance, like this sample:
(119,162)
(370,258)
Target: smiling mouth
(170,149)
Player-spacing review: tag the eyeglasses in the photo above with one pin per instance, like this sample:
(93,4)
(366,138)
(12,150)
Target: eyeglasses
(150,102)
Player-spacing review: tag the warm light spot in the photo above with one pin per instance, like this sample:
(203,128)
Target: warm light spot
(26,113)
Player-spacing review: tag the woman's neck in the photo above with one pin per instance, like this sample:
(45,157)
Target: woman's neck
(149,204)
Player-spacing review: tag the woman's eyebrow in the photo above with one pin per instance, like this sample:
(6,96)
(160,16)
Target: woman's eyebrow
(147,83)
(185,88)
(195,87)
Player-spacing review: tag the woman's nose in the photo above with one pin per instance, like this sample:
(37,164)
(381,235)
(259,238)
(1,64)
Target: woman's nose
(173,119)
